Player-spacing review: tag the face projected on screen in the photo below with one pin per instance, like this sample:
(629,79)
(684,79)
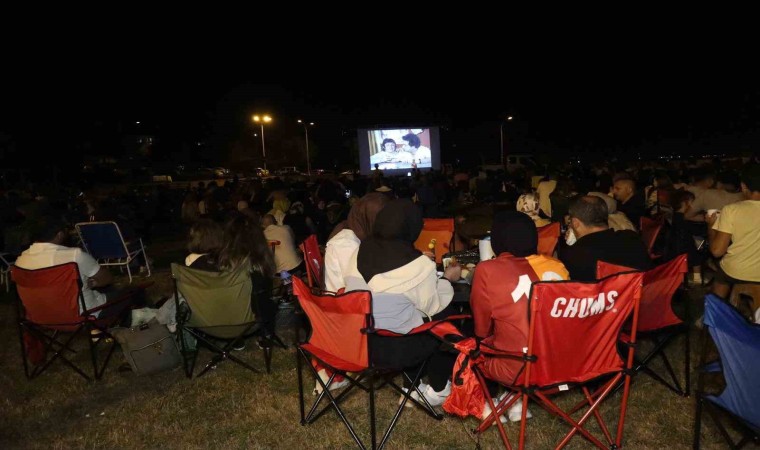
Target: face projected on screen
(402,148)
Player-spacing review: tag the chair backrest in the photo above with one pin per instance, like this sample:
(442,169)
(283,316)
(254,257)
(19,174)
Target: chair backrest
(574,327)
(220,302)
(315,263)
(738,343)
(442,230)
(51,296)
(102,240)
(650,228)
(660,284)
(337,322)
(548,236)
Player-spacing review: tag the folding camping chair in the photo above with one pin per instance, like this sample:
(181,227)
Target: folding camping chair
(657,321)
(573,333)
(104,241)
(218,308)
(738,344)
(51,303)
(442,230)
(339,342)
(650,229)
(315,263)
(548,236)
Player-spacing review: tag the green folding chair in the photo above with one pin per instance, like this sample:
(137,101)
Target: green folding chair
(217,313)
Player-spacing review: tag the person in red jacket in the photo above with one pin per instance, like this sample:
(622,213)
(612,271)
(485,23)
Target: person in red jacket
(500,290)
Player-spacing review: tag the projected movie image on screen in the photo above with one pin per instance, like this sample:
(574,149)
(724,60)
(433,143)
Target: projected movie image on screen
(400,149)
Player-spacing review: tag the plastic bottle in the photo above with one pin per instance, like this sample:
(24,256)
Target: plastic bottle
(431,247)
(287,283)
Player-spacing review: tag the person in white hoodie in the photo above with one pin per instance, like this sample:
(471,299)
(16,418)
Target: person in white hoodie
(406,293)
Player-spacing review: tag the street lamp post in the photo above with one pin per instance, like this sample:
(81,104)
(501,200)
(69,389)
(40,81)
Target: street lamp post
(308,159)
(501,135)
(261,120)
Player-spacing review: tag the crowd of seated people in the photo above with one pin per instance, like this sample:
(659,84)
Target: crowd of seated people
(368,240)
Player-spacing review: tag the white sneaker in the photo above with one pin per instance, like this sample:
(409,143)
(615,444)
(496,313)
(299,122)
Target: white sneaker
(435,398)
(422,387)
(487,412)
(515,412)
(325,378)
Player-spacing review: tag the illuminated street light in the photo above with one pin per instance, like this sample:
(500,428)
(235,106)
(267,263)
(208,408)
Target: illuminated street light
(262,120)
(308,159)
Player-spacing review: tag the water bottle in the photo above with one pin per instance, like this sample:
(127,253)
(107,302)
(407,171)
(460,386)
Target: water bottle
(485,250)
(287,283)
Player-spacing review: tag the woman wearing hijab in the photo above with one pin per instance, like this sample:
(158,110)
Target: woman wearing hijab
(499,296)
(347,236)
(528,204)
(406,292)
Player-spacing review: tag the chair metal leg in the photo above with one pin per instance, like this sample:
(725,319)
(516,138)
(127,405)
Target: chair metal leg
(129,272)
(267,358)
(145,255)
(187,364)
(687,364)
(697,422)
(372,420)
(299,371)
(58,354)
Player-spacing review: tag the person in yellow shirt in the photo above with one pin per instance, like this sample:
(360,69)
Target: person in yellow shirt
(735,236)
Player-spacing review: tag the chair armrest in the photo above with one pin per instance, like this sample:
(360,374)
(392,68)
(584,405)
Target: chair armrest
(125,296)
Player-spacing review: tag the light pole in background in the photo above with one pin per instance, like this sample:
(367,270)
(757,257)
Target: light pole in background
(501,135)
(306,130)
(261,120)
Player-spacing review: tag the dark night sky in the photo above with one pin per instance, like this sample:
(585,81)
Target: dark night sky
(586,114)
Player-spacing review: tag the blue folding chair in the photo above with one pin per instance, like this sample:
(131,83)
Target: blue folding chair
(738,344)
(104,241)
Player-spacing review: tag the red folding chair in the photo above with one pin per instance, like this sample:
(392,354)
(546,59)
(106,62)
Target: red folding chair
(548,236)
(339,342)
(50,301)
(657,321)
(315,262)
(442,230)
(572,341)
(650,228)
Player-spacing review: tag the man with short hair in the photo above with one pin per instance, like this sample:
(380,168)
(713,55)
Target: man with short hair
(48,250)
(419,153)
(707,196)
(596,242)
(735,236)
(629,201)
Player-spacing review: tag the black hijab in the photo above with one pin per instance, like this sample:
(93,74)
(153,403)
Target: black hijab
(391,245)
(514,232)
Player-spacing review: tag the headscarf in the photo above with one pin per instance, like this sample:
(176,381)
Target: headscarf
(281,205)
(391,245)
(515,233)
(361,218)
(528,204)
